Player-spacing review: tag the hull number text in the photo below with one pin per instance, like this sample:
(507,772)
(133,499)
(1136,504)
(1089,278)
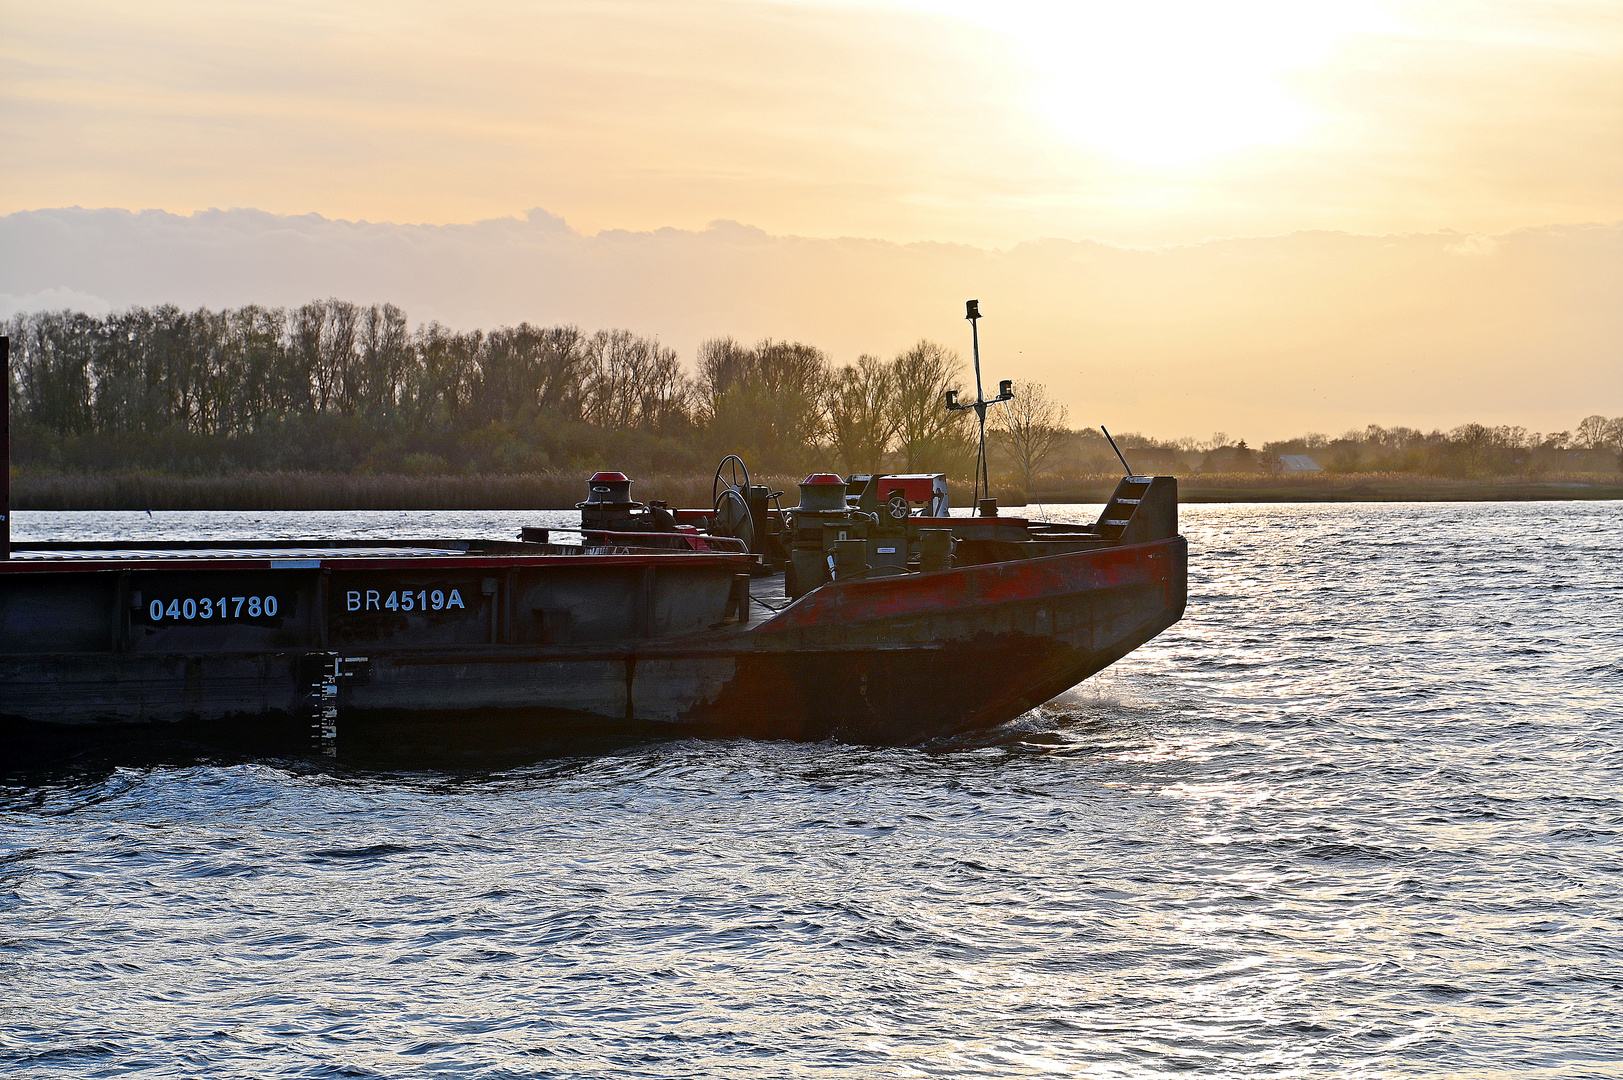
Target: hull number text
(212,607)
(403,600)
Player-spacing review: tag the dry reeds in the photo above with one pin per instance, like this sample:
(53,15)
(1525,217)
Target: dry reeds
(557,491)
(1347,487)
(330,491)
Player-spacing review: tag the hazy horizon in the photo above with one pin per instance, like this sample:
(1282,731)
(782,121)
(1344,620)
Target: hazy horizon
(1269,337)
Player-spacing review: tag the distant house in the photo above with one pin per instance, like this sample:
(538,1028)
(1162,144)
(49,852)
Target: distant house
(1147,460)
(1298,463)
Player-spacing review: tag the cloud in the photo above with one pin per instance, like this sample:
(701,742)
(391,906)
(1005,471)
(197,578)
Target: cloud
(906,119)
(60,298)
(1474,245)
(1261,337)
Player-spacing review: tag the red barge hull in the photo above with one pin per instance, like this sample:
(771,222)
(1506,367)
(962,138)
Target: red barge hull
(879,662)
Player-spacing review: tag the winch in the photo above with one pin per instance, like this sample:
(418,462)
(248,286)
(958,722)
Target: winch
(841,535)
(609,507)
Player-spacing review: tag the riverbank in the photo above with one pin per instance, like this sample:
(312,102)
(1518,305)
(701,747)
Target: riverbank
(1358,487)
(329,491)
(551,491)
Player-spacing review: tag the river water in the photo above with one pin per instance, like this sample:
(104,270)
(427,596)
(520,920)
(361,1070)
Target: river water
(1358,815)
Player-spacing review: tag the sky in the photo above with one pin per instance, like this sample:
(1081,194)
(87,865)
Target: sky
(1252,216)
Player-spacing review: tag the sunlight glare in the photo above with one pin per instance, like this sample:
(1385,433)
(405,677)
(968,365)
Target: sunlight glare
(1168,81)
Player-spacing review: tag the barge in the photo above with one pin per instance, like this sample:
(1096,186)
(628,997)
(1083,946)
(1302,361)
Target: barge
(865,612)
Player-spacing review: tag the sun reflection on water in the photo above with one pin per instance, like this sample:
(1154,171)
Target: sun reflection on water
(1356,815)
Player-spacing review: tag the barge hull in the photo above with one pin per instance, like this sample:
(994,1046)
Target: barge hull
(885,661)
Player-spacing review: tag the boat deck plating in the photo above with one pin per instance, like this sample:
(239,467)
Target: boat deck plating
(295,557)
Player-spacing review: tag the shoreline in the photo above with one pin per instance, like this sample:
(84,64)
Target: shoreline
(1190,490)
(538,491)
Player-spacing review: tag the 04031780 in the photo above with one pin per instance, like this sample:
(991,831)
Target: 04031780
(196,608)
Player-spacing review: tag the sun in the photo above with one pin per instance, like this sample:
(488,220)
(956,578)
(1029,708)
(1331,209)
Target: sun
(1150,95)
(1172,81)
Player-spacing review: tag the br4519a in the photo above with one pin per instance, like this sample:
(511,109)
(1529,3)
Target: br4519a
(403,600)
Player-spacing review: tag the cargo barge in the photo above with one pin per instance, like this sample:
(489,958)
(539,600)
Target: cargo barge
(865,612)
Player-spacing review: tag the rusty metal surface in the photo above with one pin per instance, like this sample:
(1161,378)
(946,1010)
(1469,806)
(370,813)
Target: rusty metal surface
(840,604)
(232,638)
(902,662)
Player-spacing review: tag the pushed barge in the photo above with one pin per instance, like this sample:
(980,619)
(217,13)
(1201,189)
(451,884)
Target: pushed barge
(865,612)
(857,614)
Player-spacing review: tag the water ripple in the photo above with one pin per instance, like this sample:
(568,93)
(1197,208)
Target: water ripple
(1358,815)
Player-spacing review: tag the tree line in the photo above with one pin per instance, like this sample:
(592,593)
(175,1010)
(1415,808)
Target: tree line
(337,386)
(1595,444)
(333,386)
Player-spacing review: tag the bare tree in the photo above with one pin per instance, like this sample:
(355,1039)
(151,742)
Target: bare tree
(378,375)
(765,402)
(926,433)
(726,370)
(1592,432)
(614,367)
(794,381)
(861,416)
(1032,426)
(633,381)
(447,373)
(299,387)
(530,367)
(1599,433)
(665,399)
(335,386)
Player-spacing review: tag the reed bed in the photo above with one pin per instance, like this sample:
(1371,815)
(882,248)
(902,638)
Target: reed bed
(1348,487)
(337,491)
(558,491)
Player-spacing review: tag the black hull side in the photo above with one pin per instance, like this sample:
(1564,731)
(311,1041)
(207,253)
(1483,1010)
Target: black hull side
(894,661)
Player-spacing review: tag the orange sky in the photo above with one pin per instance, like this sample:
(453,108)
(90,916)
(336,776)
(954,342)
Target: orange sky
(945,121)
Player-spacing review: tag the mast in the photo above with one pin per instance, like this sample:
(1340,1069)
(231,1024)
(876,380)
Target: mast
(5,448)
(983,484)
